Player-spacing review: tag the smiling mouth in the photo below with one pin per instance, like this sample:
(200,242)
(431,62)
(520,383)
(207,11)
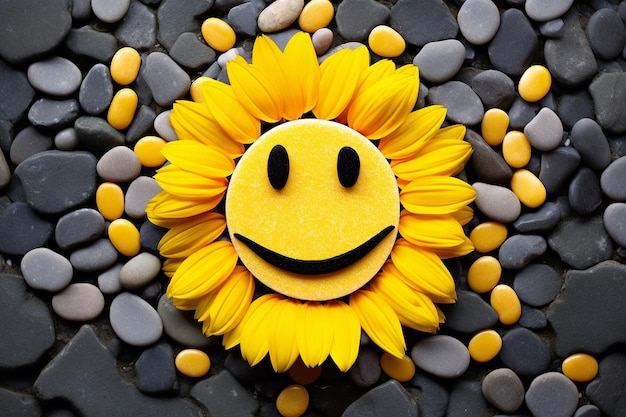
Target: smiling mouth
(315,267)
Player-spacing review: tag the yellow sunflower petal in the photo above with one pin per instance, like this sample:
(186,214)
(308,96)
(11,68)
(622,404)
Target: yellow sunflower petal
(233,337)
(165,208)
(185,184)
(191,235)
(300,60)
(170,266)
(455,251)
(418,128)
(438,231)
(339,75)
(204,271)
(422,270)
(379,321)
(283,347)
(198,158)
(436,195)
(257,328)
(314,333)
(463,215)
(346,336)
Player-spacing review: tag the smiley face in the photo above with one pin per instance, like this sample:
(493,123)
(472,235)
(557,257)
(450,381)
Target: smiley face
(313,209)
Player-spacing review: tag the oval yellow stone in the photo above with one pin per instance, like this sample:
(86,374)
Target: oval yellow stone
(315,15)
(122,108)
(534,83)
(218,34)
(400,369)
(125,65)
(148,150)
(506,303)
(292,401)
(528,188)
(110,200)
(484,274)
(386,42)
(516,149)
(196,89)
(125,237)
(192,362)
(488,236)
(485,345)
(580,367)
(494,125)
(302,374)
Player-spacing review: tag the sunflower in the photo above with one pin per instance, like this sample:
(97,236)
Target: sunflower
(261,160)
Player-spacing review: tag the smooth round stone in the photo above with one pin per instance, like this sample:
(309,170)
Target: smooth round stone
(441,355)
(552,395)
(532,318)
(588,410)
(469,314)
(21,229)
(478,21)
(557,166)
(384,41)
(366,370)
(134,321)
(150,236)
(139,271)
(484,274)
(589,140)
(495,89)
(528,188)
(17,93)
(110,11)
(156,373)
(494,126)
(521,113)
(180,325)
(78,302)
(109,280)
(503,389)
(138,28)
(524,352)
(505,302)
(356,18)
(424,21)
(322,40)
(44,269)
(28,142)
(163,126)
(496,202)
(90,43)
(78,227)
(66,139)
(612,180)
(141,125)
(514,44)
(552,28)
(53,114)
(463,104)
(486,162)
(615,222)
(316,15)
(166,80)
(584,192)
(192,53)
(542,220)
(606,33)
(519,250)
(545,130)
(541,11)
(96,257)
(96,135)
(119,164)
(96,90)
(55,76)
(485,345)
(279,15)
(537,284)
(139,193)
(439,61)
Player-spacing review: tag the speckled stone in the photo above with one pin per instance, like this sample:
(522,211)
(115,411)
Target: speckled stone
(44,269)
(442,356)
(17,93)
(78,227)
(388,398)
(470,313)
(139,271)
(98,256)
(606,390)
(55,76)
(524,352)
(51,114)
(552,395)
(96,90)
(138,27)
(222,396)
(424,21)
(519,250)
(581,241)
(81,301)
(537,284)
(134,321)
(503,389)
(167,81)
(532,318)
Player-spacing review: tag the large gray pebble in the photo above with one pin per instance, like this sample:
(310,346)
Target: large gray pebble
(608,91)
(51,114)
(496,202)
(119,164)
(110,11)
(441,60)
(615,222)
(166,80)
(519,250)
(495,89)
(606,33)
(138,27)
(420,22)
(389,398)
(463,104)
(79,302)
(139,193)
(356,18)
(180,325)
(542,11)
(44,269)
(139,271)
(503,389)
(512,48)
(441,355)
(552,395)
(613,181)
(591,143)
(134,321)
(545,130)
(478,21)
(55,76)
(78,227)
(96,90)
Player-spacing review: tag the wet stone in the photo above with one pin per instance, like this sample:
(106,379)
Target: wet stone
(223,396)
(584,191)
(537,284)
(120,164)
(109,280)
(96,135)
(469,314)
(78,302)
(389,398)
(606,33)
(44,269)
(496,202)
(466,399)
(180,325)
(552,395)
(478,21)
(495,89)
(524,352)
(462,103)
(543,11)
(424,21)
(53,114)
(138,27)
(93,44)
(55,76)
(366,371)
(97,256)
(78,227)
(434,399)
(166,80)
(441,60)
(16,404)
(356,18)
(189,52)
(26,328)
(606,390)
(21,229)
(591,143)
(581,242)
(503,389)
(175,17)
(441,355)
(156,373)
(96,90)
(532,318)
(573,107)
(28,142)
(557,166)
(514,44)
(608,91)
(134,321)
(612,180)
(588,298)
(542,220)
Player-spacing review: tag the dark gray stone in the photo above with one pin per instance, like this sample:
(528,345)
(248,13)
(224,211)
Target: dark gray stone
(524,352)
(78,227)
(588,410)
(150,235)
(552,28)
(28,142)
(52,114)
(467,400)
(591,143)
(537,284)
(581,242)
(584,191)
(96,135)
(96,257)
(96,91)
(434,399)
(166,80)
(608,91)
(503,389)
(495,89)
(356,18)
(606,390)
(138,27)
(542,220)
(17,404)
(191,53)
(16,93)
(389,398)
(470,313)
(574,106)
(486,162)
(181,326)
(462,103)
(89,43)
(557,166)
(142,124)
(223,396)
(420,22)
(519,250)
(532,318)
(521,113)
(612,180)
(514,45)
(175,17)
(606,33)
(552,395)
(366,371)
(615,222)
(21,229)
(156,372)
(243,17)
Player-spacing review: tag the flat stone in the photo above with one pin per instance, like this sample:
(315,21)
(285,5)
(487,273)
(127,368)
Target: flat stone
(53,114)
(470,314)
(591,143)
(139,193)
(56,181)
(495,89)
(588,298)
(489,165)
(545,130)
(243,18)
(503,389)
(519,250)
(478,21)
(552,395)
(612,182)
(180,325)
(90,43)
(134,321)
(175,17)
(557,166)
(584,192)
(434,399)
(96,90)
(80,370)
(581,241)
(26,328)
(17,404)
(28,142)
(96,135)
(605,391)
(466,399)
(139,271)
(542,220)
(389,398)
(223,396)
(141,125)
(167,81)
(608,90)
(524,352)
(514,44)
(21,229)
(109,280)
(462,103)
(44,269)
(439,61)
(97,256)
(532,318)
(55,76)
(17,93)
(119,164)
(606,33)
(138,28)
(541,11)
(156,372)
(496,202)
(573,107)
(191,53)
(441,355)
(110,11)
(366,371)
(424,21)
(537,284)
(78,227)
(81,301)
(356,18)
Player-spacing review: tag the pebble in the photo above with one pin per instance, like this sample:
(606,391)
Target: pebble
(22,229)
(580,367)
(611,180)
(514,44)
(366,371)
(5,172)
(557,166)
(424,21)
(534,83)
(44,269)
(532,318)
(110,200)
(495,89)
(97,256)
(66,139)
(469,314)
(316,15)
(90,43)
(552,29)
(488,236)
(462,103)
(55,76)
(163,127)
(78,227)
(524,352)
(386,42)
(78,302)
(122,108)
(521,113)
(293,401)
(96,90)
(17,92)
(110,11)
(485,345)
(503,389)
(119,164)
(138,28)
(486,162)
(139,271)
(223,396)
(53,114)
(279,15)
(166,80)
(175,17)
(23,339)
(139,193)
(498,203)
(519,250)
(478,21)
(439,61)
(614,222)
(484,274)
(608,90)
(389,397)
(505,302)
(581,242)
(356,18)
(542,220)
(141,125)
(191,53)
(181,325)
(541,11)
(400,369)
(516,149)
(28,142)
(134,321)
(537,284)
(156,372)
(125,65)
(545,130)
(322,40)
(466,398)
(96,135)
(18,404)
(606,33)
(494,126)
(528,188)
(243,18)
(442,356)
(150,236)
(584,191)
(588,410)
(552,395)
(125,238)
(148,150)
(606,390)
(591,143)
(192,362)
(109,280)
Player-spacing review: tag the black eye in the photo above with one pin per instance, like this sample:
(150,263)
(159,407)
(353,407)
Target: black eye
(278,167)
(348,166)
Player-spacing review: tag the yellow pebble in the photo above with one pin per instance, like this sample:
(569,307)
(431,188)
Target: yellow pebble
(218,34)
(400,369)
(494,125)
(484,274)
(516,149)
(528,188)
(122,108)
(148,150)
(580,367)
(506,303)
(302,374)
(196,89)
(485,345)
(316,15)
(125,65)
(534,83)
(488,236)
(193,362)
(125,237)
(292,401)
(386,42)
(110,200)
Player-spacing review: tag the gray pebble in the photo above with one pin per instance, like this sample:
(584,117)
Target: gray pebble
(366,371)
(537,284)
(22,229)
(588,410)
(552,28)
(17,93)
(591,143)
(229,55)
(90,43)
(66,139)
(519,250)
(581,242)
(608,91)
(109,280)
(138,27)
(180,325)
(441,355)
(532,318)
(119,164)
(243,17)
(96,135)
(545,130)
(175,17)
(441,60)
(5,172)
(514,44)
(78,302)
(420,22)
(495,89)
(156,371)
(524,352)
(55,76)
(606,33)
(139,271)
(142,125)
(150,236)
(478,21)
(28,142)
(134,321)
(584,192)
(552,395)
(615,222)
(110,11)
(574,106)
(389,398)
(612,180)
(521,113)
(191,53)
(356,18)
(322,40)
(98,256)
(466,399)
(489,165)
(167,81)
(96,90)
(542,220)
(503,389)
(496,202)
(557,166)
(542,11)
(78,227)
(469,314)
(81,9)
(606,390)
(44,269)
(222,395)
(140,191)
(463,104)
(163,126)
(53,114)
(435,396)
